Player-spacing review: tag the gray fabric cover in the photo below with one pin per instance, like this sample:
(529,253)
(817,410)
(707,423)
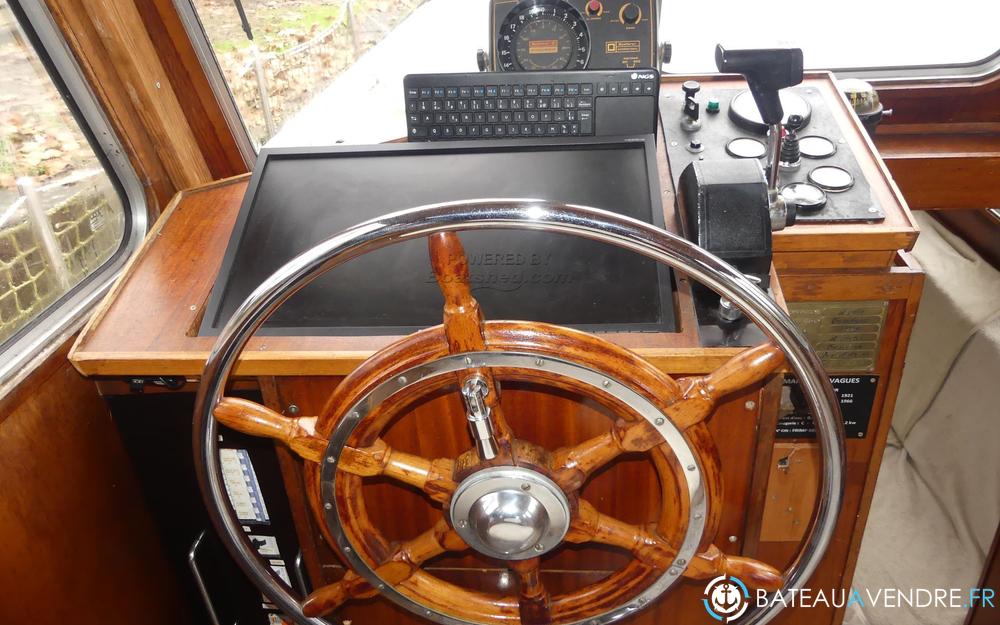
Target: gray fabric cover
(937,501)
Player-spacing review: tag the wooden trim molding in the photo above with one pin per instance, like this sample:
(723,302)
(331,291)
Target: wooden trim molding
(153,91)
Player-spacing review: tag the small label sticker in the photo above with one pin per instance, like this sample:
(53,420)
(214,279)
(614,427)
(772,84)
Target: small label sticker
(266,546)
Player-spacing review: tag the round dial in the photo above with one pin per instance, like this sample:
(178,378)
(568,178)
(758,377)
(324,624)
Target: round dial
(541,35)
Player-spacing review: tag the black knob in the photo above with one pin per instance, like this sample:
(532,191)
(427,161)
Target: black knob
(666,52)
(691,87)
(631,13)
(794,122)
(482,60)
(766,71)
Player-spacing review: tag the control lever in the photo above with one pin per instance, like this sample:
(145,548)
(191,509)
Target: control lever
(691,121)
(767,70)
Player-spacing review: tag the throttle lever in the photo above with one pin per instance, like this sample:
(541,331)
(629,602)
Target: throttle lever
(766,70)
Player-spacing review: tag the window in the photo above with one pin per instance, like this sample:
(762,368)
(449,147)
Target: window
(846,34)
(321,72)
(63,220)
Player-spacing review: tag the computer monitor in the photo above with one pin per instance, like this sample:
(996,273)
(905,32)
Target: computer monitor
(299,197)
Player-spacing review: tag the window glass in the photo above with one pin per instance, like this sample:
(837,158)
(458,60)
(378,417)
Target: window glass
(319,72)
(60,216)
(843,34)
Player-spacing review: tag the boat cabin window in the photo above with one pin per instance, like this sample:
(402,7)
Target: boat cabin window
(320,72)
(64,218)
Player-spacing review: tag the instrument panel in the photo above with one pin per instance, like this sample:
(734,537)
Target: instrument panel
(547,35)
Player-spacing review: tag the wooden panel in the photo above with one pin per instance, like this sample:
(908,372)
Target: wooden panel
(791,491)
(78,544)
(198,101)
(125,68)
(902,286)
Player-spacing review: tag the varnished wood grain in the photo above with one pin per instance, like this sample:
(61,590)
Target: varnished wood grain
(79,545)
(115,50)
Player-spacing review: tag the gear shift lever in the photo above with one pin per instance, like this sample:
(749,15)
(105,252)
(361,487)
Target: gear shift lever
(766,71)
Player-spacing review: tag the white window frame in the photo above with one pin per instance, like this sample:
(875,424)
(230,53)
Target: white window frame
(47,332)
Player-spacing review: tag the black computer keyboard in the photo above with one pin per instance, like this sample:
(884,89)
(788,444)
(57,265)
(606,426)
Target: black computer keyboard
(509,105)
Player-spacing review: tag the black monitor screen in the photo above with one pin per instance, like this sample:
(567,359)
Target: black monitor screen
(298,198)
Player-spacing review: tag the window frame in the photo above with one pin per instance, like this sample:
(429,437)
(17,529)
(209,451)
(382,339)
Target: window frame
(46,333)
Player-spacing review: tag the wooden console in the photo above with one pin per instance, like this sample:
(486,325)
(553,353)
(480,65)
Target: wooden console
(147,326)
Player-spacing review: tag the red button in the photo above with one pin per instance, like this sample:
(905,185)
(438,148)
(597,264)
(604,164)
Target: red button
(594,7)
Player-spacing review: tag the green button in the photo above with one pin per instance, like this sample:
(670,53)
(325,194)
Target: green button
(713,106)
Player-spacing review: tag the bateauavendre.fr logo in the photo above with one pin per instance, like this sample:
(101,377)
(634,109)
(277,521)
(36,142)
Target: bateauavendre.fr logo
(727,599)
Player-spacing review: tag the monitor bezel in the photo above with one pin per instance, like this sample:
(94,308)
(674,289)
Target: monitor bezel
(665,281)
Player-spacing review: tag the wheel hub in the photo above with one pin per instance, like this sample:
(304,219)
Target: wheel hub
(510,513)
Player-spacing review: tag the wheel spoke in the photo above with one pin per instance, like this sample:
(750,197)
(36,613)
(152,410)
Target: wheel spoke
(397,568)
(252,418)
(434,477)
(463,327)
(701,394)
(532,597)
(571,466)
(592,526)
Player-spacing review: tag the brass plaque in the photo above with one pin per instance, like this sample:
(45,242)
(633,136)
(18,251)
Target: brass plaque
(846,335)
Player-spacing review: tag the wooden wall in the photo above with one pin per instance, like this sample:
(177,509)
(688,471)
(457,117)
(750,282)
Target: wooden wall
(78,544)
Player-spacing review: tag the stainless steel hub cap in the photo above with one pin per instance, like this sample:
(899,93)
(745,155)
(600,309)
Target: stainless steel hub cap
(510,513)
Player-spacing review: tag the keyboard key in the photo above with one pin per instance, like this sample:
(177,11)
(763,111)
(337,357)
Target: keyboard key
(418,131)
(624,89)
(648,87)
(435,132)
(451,92)
(478,92)
(531,90)
(539,130)
(487,130)
(438,92)
(602,89)
(448,132)
(558,89)
(412,92)
(465,92)
(491,91)
(460,131)
(573,89)
(479,118)
(545,116)
(425,92)
(513,130)
(517,91)
(584,102)
(499,130)
(504,91)
(613,89)
(545,90)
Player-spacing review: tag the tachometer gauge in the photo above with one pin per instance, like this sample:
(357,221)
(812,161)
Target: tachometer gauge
(543,35)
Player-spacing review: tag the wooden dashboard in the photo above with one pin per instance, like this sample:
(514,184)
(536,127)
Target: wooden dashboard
(147,326)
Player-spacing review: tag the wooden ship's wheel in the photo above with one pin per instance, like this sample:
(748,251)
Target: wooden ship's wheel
(508,499)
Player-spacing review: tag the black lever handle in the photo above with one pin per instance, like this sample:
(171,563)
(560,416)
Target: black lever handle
(767,70)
